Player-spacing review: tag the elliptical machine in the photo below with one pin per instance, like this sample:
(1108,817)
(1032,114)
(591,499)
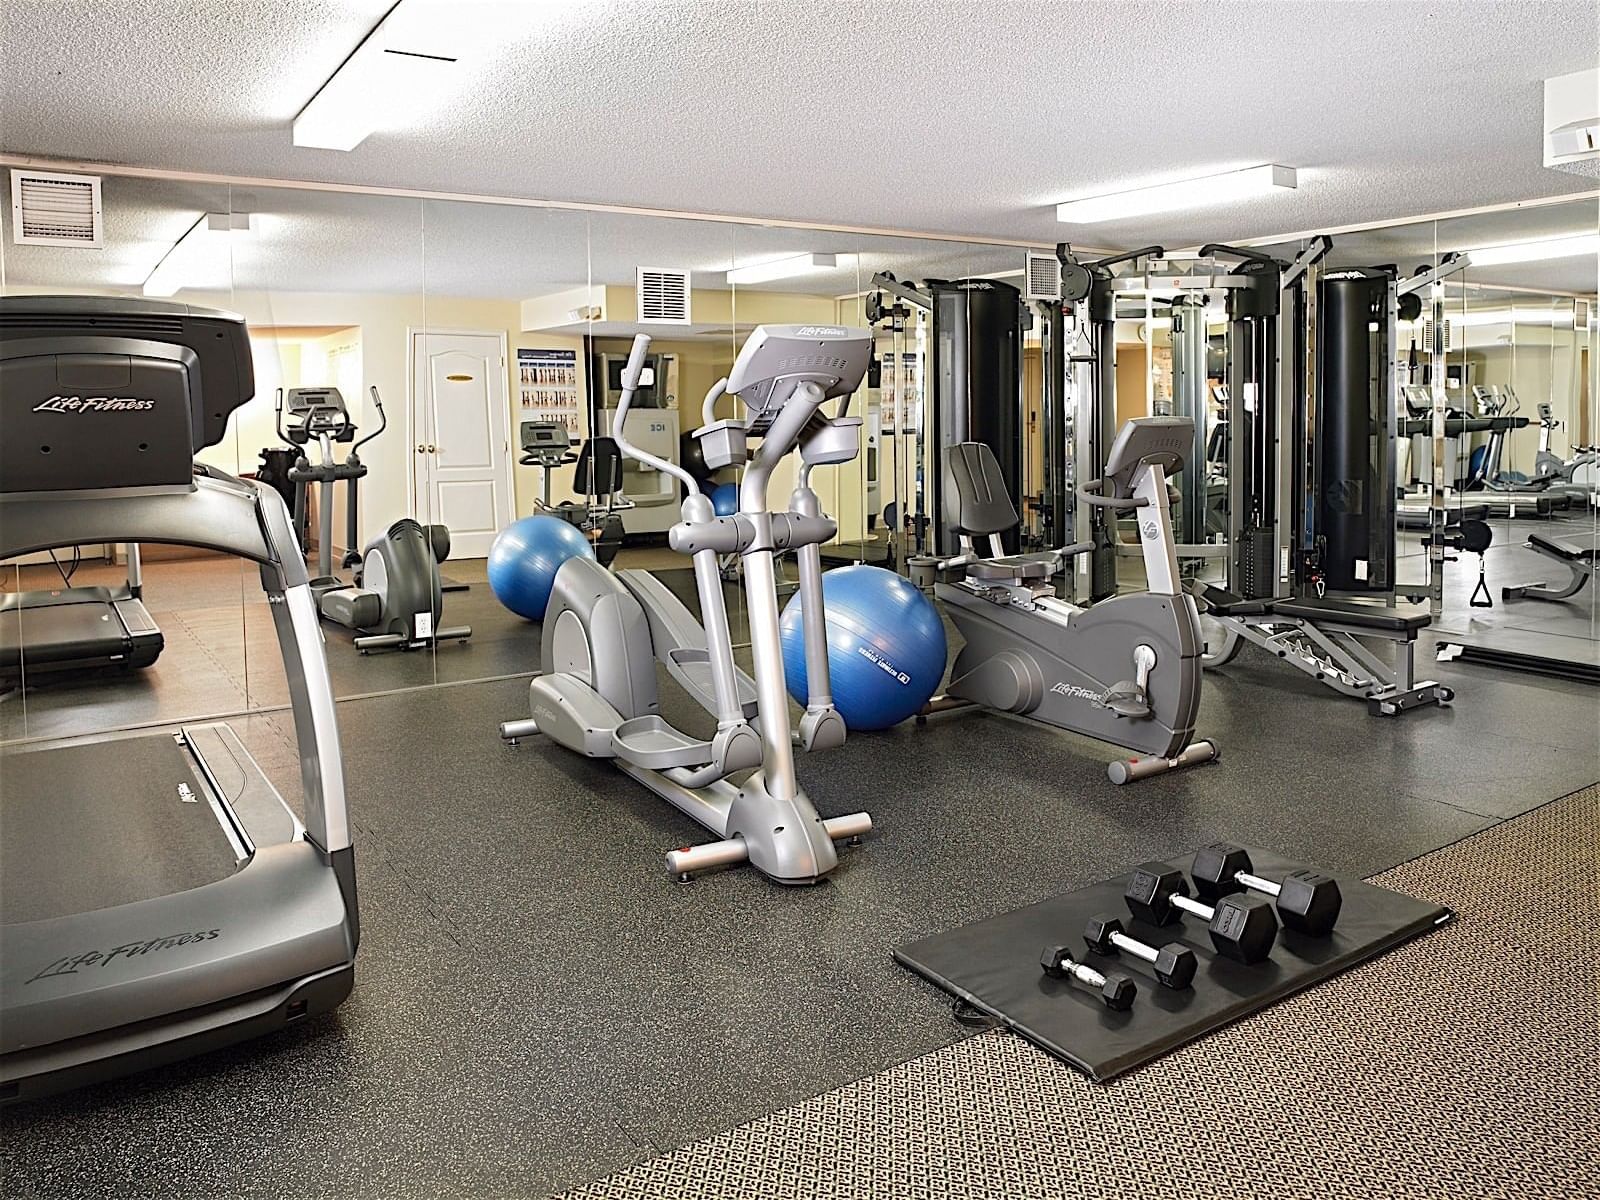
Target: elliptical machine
(604,632)
(1126,670)
(547,445)
(396,601)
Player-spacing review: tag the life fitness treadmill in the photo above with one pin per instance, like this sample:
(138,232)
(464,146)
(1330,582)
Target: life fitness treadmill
(159,898)
(78,628)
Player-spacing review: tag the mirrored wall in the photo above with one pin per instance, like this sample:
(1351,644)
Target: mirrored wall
(427,373)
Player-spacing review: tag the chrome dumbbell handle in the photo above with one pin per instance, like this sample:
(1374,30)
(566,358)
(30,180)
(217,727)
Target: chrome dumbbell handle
(1190,905)
(1135,947)
(1257,884)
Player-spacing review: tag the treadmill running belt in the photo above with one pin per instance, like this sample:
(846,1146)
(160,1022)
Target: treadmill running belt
(93,826)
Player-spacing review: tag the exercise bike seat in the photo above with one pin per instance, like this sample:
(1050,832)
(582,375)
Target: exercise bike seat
(1014,568)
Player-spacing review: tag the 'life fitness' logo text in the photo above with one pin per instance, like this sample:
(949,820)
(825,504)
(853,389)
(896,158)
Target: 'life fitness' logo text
(94,404)
(1073,692)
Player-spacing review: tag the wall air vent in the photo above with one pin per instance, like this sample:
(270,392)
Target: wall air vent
(1042,278)
(50,209)
(663,297)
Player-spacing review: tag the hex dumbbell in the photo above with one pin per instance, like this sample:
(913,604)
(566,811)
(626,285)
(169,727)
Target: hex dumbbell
(1241,927)
(1116,990)
(1174,964)
(1307,902)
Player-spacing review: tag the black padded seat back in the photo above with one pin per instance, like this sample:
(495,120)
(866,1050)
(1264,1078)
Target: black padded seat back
(599,471)
(976,502)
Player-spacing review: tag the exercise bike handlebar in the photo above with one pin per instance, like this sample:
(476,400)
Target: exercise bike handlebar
(1093,492)
(630,385)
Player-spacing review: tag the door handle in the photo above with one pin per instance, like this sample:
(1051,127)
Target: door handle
(421,449)
(432,449)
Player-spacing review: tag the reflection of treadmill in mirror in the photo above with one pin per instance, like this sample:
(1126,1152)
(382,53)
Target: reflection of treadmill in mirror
(78,629)
(1507,491)
(1466,498)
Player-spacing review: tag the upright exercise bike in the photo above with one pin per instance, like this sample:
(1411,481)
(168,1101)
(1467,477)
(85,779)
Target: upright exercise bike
(548,445)
(605,632)
(396,601)
(1126,670)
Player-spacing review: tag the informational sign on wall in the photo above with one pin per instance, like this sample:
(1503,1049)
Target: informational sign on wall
(901,393)
(547,387)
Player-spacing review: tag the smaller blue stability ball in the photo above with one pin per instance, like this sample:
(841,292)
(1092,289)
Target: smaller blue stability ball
(886,646)
(725,499)
(525,558)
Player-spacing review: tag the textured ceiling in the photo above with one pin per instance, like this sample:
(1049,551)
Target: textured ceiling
(969,116)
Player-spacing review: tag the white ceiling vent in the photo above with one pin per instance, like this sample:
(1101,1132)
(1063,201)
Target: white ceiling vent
(663,297)
(48,209)
(1042,279)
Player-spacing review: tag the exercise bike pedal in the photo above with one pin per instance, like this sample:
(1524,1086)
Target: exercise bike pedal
(1127,699)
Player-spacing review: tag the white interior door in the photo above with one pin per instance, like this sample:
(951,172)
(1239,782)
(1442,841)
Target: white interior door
(460,449)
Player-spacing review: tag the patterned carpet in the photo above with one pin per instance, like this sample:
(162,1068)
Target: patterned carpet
(1462,1064)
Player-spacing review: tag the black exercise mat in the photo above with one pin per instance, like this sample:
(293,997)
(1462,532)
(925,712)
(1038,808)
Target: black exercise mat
(85,827)
(993,965)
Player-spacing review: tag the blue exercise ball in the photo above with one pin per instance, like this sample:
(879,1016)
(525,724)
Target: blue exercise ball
(725,499)
(886,646)
(525,558)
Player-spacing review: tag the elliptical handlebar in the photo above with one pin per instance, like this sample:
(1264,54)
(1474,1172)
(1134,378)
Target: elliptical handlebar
(277,405)
(383,421)
(630,385)
(708,410)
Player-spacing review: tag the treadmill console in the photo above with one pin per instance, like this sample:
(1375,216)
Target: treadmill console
(99,393)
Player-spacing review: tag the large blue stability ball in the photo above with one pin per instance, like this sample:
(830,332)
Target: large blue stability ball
(725,499)
(886,646)
(525,558)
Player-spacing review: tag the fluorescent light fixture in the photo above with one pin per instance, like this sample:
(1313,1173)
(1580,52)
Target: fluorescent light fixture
(1556,318)
(1570,246)
(416,58)
(787,268)
(375,89)
(199,256)
(1184,193)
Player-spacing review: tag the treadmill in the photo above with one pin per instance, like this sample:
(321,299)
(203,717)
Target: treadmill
(78,628)
(158,896)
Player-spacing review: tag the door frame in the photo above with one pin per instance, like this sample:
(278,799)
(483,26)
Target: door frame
(415,332)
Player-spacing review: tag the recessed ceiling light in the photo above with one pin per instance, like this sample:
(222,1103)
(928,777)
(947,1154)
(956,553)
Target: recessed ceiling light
(1184,193)
(787,268)
(199,255)
(1569,246)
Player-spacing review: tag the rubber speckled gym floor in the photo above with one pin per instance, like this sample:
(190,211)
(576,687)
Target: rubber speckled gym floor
(538,1007)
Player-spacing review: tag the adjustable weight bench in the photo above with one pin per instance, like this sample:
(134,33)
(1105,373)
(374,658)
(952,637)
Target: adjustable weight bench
(1326,639)
(1578,559)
